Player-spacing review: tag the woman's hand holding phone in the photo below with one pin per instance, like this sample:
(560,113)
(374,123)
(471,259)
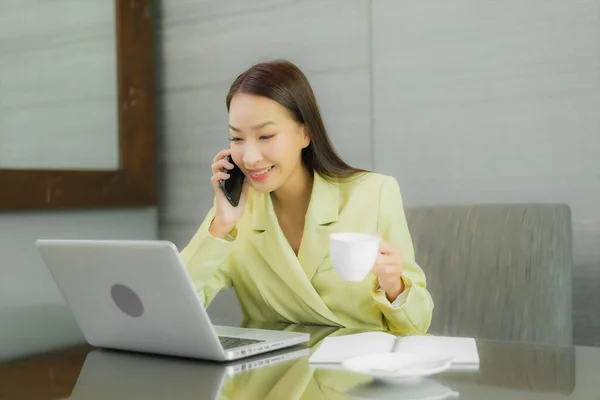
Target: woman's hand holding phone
(226,215)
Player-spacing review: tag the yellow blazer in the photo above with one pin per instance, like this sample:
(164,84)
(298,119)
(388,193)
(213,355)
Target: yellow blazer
(272,284)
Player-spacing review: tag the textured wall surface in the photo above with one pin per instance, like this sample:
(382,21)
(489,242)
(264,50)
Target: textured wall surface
(463,102)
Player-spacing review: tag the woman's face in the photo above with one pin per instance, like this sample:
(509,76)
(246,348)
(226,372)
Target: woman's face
(266,142)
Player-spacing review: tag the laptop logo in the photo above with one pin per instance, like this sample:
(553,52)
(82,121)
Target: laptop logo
(127,300)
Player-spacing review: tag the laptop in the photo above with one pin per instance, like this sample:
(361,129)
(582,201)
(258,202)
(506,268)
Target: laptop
(112,374)
(138,296)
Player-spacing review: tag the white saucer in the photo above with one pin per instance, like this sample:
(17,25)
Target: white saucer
(425,389)
(397,367)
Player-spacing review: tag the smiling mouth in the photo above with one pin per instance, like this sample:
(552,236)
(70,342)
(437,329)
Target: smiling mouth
(261,172)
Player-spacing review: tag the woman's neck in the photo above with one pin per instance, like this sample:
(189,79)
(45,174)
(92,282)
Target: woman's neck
(294,195)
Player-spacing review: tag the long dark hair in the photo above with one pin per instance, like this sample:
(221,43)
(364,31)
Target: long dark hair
(284,83)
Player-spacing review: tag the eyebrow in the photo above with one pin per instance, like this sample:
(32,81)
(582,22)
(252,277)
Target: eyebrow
(255,127)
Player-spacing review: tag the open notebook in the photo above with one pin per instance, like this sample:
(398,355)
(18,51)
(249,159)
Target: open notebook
(334,350)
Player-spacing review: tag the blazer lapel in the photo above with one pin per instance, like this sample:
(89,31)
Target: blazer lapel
(322,212)
(271,243)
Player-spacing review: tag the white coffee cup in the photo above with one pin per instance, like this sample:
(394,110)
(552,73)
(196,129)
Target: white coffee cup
(353,255)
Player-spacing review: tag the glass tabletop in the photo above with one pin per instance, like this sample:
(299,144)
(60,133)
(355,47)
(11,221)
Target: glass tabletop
(507,370)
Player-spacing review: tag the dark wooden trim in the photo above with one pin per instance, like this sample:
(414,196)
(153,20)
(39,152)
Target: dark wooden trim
(134,184)
(43,376)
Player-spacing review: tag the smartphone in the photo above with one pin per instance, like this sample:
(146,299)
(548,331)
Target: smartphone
(232,186)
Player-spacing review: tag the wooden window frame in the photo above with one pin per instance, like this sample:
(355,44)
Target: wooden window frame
(134,183)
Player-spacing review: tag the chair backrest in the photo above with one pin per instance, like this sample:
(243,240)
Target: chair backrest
(497,271)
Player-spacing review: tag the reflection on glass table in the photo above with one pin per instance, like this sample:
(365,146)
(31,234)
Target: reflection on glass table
(507,371)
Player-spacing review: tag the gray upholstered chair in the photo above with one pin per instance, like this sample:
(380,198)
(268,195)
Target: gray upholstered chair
(497,271)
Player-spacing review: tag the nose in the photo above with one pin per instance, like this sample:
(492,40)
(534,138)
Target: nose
(252,156)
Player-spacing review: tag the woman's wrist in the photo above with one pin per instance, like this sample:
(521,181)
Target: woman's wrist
(394,293)
(220,229)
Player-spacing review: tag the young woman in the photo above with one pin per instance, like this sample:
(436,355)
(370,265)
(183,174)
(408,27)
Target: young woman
(273,246)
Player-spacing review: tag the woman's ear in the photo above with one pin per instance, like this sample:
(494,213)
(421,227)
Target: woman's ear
(305,136)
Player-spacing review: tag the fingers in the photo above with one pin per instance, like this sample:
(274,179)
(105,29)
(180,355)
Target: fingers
(388,264)
(385,264)
(386,248)
(217,178)
(383,270)
(385,259)
(219,165)
(222,154)
(388,267)
(220,162)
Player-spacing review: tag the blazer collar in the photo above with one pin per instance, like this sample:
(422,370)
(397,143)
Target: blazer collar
(324,201)
(322,209)
(297,272)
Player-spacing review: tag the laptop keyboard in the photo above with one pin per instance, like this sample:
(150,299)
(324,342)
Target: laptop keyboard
(232,342)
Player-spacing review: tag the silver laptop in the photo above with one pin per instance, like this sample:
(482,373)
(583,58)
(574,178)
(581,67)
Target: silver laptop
(138,296)
(110,374)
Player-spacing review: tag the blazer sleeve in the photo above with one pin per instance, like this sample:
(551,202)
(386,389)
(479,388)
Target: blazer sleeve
(413,314)
(208,260)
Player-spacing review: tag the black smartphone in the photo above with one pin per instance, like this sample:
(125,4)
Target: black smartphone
(232,187)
